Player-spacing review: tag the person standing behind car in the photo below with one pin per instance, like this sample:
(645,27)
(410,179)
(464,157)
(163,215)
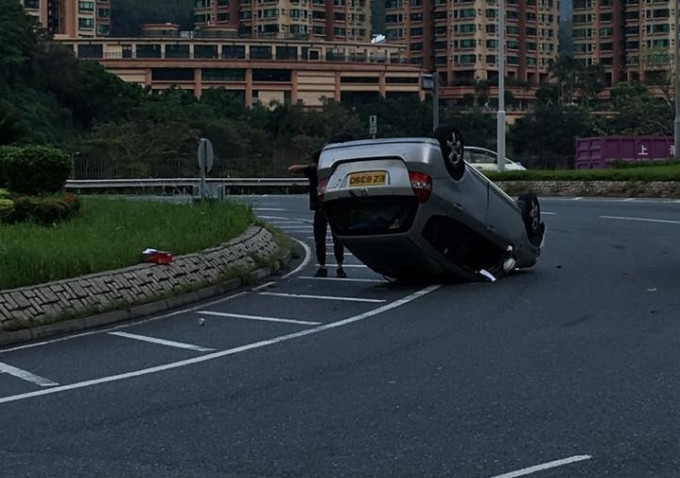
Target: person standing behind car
(320,218)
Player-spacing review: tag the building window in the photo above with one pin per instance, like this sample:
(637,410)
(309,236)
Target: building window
(172,74)
(90,51)
(237,52)
(148,51)
(260,52)
(286,53)
(177,51)
(85,23)
(205,51)
(223,74)
(84,7)
(271,75)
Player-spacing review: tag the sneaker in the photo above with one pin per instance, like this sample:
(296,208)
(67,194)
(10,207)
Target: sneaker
(341,272)
(321,272)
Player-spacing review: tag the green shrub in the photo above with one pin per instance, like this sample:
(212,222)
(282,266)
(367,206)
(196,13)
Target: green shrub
(5,194)
(6,208)
(35,170)
(5,151)
(45,210)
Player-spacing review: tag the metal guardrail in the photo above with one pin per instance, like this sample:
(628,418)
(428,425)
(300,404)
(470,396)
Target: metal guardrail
(182,183)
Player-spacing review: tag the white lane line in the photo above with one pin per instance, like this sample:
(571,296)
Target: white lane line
(549,213)
(577,198)
(129,324)
(346,279)
(274,218)
(263,286)
(640,219)
(269,209)
(168,343)
(305,261)
(322,297)
(256,317)
(345,266)
(544,466)
(24,375)
(223,353)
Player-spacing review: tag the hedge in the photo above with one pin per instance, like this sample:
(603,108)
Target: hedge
(34,170)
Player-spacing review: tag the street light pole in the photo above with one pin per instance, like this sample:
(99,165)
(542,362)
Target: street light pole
(500,130)
(435,100)
(676,123)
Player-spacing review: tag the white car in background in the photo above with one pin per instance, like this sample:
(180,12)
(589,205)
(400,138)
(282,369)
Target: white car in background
(484,159)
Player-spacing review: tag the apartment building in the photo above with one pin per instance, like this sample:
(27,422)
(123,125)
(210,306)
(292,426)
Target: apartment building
(459,40)
(330,20)
(634,40)
(72,18)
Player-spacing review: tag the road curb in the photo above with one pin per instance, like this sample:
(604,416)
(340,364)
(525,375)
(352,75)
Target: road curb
(143,310)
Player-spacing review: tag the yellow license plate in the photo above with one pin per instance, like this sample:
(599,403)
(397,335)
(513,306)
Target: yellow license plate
(372,178)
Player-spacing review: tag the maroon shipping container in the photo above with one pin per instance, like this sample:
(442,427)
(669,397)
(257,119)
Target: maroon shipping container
(602,151)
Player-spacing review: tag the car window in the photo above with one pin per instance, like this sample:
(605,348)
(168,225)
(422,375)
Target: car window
(482,157)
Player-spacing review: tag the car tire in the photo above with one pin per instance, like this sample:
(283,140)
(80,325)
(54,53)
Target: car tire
(452,147)
(531,217)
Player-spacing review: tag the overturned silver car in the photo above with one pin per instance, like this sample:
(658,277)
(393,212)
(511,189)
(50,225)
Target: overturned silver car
(411,208)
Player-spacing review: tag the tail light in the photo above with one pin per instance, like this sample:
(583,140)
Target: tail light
(321,188)
(421,184)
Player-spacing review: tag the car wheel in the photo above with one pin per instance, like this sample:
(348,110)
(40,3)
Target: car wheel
(451,145)
(531,216)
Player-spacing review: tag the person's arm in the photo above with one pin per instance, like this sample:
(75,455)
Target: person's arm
(298,168)
(306,169)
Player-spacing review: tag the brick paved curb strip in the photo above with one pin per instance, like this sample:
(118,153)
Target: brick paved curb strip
(130,292)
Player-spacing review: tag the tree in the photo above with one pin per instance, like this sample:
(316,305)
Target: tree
(18,39)
(564,69)
(546,137)
(590,82)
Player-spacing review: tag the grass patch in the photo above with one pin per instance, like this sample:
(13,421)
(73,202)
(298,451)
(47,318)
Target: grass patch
(667,171)
(110,234)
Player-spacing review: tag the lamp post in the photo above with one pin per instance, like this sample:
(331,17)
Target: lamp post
(676,123)
(429,83)
(500,127)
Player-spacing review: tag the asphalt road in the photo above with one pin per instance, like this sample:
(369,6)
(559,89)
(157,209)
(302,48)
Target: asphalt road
(568,370)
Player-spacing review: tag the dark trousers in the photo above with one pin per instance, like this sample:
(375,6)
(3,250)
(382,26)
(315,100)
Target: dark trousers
(320,228)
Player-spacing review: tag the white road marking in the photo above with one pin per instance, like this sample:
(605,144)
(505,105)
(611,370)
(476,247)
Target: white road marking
(269,209)
(24,375)
(577,198)
(345,266)
(168,343)
(222,353)
(549,213)
(305,261)
(128,324)
(322,297)
(544,466)
(256,317)
(263,286)
(274,218)
(628,199)
(346,279)
(640,219)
